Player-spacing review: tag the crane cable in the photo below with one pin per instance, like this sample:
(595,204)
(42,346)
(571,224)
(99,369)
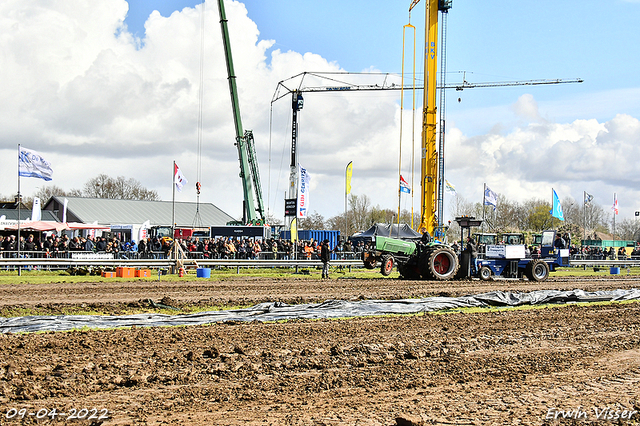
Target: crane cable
(404,30)
(197,221)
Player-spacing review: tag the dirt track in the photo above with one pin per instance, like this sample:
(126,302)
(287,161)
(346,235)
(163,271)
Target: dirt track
(507,367)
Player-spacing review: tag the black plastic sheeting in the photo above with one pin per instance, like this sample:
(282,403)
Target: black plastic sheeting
(278,311)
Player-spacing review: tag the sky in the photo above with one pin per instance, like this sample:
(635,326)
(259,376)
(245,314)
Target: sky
(112,87)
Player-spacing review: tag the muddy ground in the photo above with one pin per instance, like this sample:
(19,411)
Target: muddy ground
(500,367)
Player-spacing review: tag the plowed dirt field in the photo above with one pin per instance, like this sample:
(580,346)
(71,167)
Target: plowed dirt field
(529,366)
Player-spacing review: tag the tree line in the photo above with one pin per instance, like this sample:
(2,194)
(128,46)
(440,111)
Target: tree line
(101,186)
(529,216)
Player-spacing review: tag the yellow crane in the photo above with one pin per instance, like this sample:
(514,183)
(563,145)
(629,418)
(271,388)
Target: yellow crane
(429,153)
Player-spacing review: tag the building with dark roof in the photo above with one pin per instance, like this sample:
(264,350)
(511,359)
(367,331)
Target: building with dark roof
(128,216)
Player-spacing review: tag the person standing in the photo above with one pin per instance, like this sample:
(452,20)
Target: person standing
(473,254)
(325,255)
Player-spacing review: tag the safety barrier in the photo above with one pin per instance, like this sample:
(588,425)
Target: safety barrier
(64,263)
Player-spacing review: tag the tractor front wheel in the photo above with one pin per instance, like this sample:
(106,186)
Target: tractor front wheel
(387,265)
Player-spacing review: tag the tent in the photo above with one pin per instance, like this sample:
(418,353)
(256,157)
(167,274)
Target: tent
(41,225)
(402,231)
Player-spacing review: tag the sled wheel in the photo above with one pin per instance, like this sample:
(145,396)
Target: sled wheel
(537,270)
(485,273)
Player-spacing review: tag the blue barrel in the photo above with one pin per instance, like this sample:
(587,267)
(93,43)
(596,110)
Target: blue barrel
(615,270)
(203,272)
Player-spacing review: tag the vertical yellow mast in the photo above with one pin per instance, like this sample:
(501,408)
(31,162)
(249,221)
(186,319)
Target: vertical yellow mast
(429,162)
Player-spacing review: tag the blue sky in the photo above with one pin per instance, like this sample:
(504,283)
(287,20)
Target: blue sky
(79,88)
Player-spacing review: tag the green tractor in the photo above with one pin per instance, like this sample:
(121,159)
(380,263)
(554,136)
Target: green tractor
(417,259)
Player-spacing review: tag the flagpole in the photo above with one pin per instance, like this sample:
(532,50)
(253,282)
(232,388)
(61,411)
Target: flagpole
(584,216)
(346,192)
(614,217)
(173,199)
(484,195)
(18,238)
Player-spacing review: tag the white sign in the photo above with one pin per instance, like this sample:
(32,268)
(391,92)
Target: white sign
(502,251)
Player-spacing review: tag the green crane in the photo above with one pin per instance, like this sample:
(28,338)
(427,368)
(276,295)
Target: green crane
(253,210)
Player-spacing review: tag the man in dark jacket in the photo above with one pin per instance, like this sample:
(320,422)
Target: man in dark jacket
(325,255)
(473,254)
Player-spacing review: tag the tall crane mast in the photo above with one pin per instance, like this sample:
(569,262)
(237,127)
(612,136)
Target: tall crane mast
(253,210)
(430,156)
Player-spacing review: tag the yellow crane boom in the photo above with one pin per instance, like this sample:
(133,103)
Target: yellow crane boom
(429,154)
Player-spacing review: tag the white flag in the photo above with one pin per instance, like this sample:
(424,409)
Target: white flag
(449,188)
(36,211)
(303,192)
(178,178)
(31,164)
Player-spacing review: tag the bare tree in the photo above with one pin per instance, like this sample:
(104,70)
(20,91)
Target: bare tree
(103,186)
(313,221)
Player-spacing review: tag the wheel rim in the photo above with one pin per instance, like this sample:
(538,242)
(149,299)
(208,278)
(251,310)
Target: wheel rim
(485,273)
(388,266)
(442,263)
(540,271)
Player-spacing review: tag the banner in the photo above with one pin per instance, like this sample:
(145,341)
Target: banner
(294,230)
(31,164)
(615,204)
(349,172)
(556,211)
(490,198)
(303,192)
(64,211)
(178,178)
(404,186)
(36,211)
(143,232)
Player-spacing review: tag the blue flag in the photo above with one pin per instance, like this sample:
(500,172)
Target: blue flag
(490,198)
(556,211)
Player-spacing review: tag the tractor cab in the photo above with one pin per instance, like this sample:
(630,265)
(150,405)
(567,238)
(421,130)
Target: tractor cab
(547,249)
(511,239)
(484,240)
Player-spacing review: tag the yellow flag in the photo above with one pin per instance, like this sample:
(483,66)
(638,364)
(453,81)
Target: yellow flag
(348,174)
(294,230)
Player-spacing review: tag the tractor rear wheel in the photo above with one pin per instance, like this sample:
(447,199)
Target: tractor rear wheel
(369,260)
(387,265)
(537,270)
(440,264)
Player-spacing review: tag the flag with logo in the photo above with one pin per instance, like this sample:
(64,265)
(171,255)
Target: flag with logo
(449,188)
(178,177)
(556,210)
(615,204)
(404,186)
(587,198)
(303,192)
(490,198)
(349,172)
(31,164)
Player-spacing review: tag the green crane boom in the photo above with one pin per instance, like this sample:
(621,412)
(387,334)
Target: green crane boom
(253,211)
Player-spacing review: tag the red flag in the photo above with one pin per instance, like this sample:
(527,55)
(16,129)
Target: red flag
(615,205)
(178,177)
